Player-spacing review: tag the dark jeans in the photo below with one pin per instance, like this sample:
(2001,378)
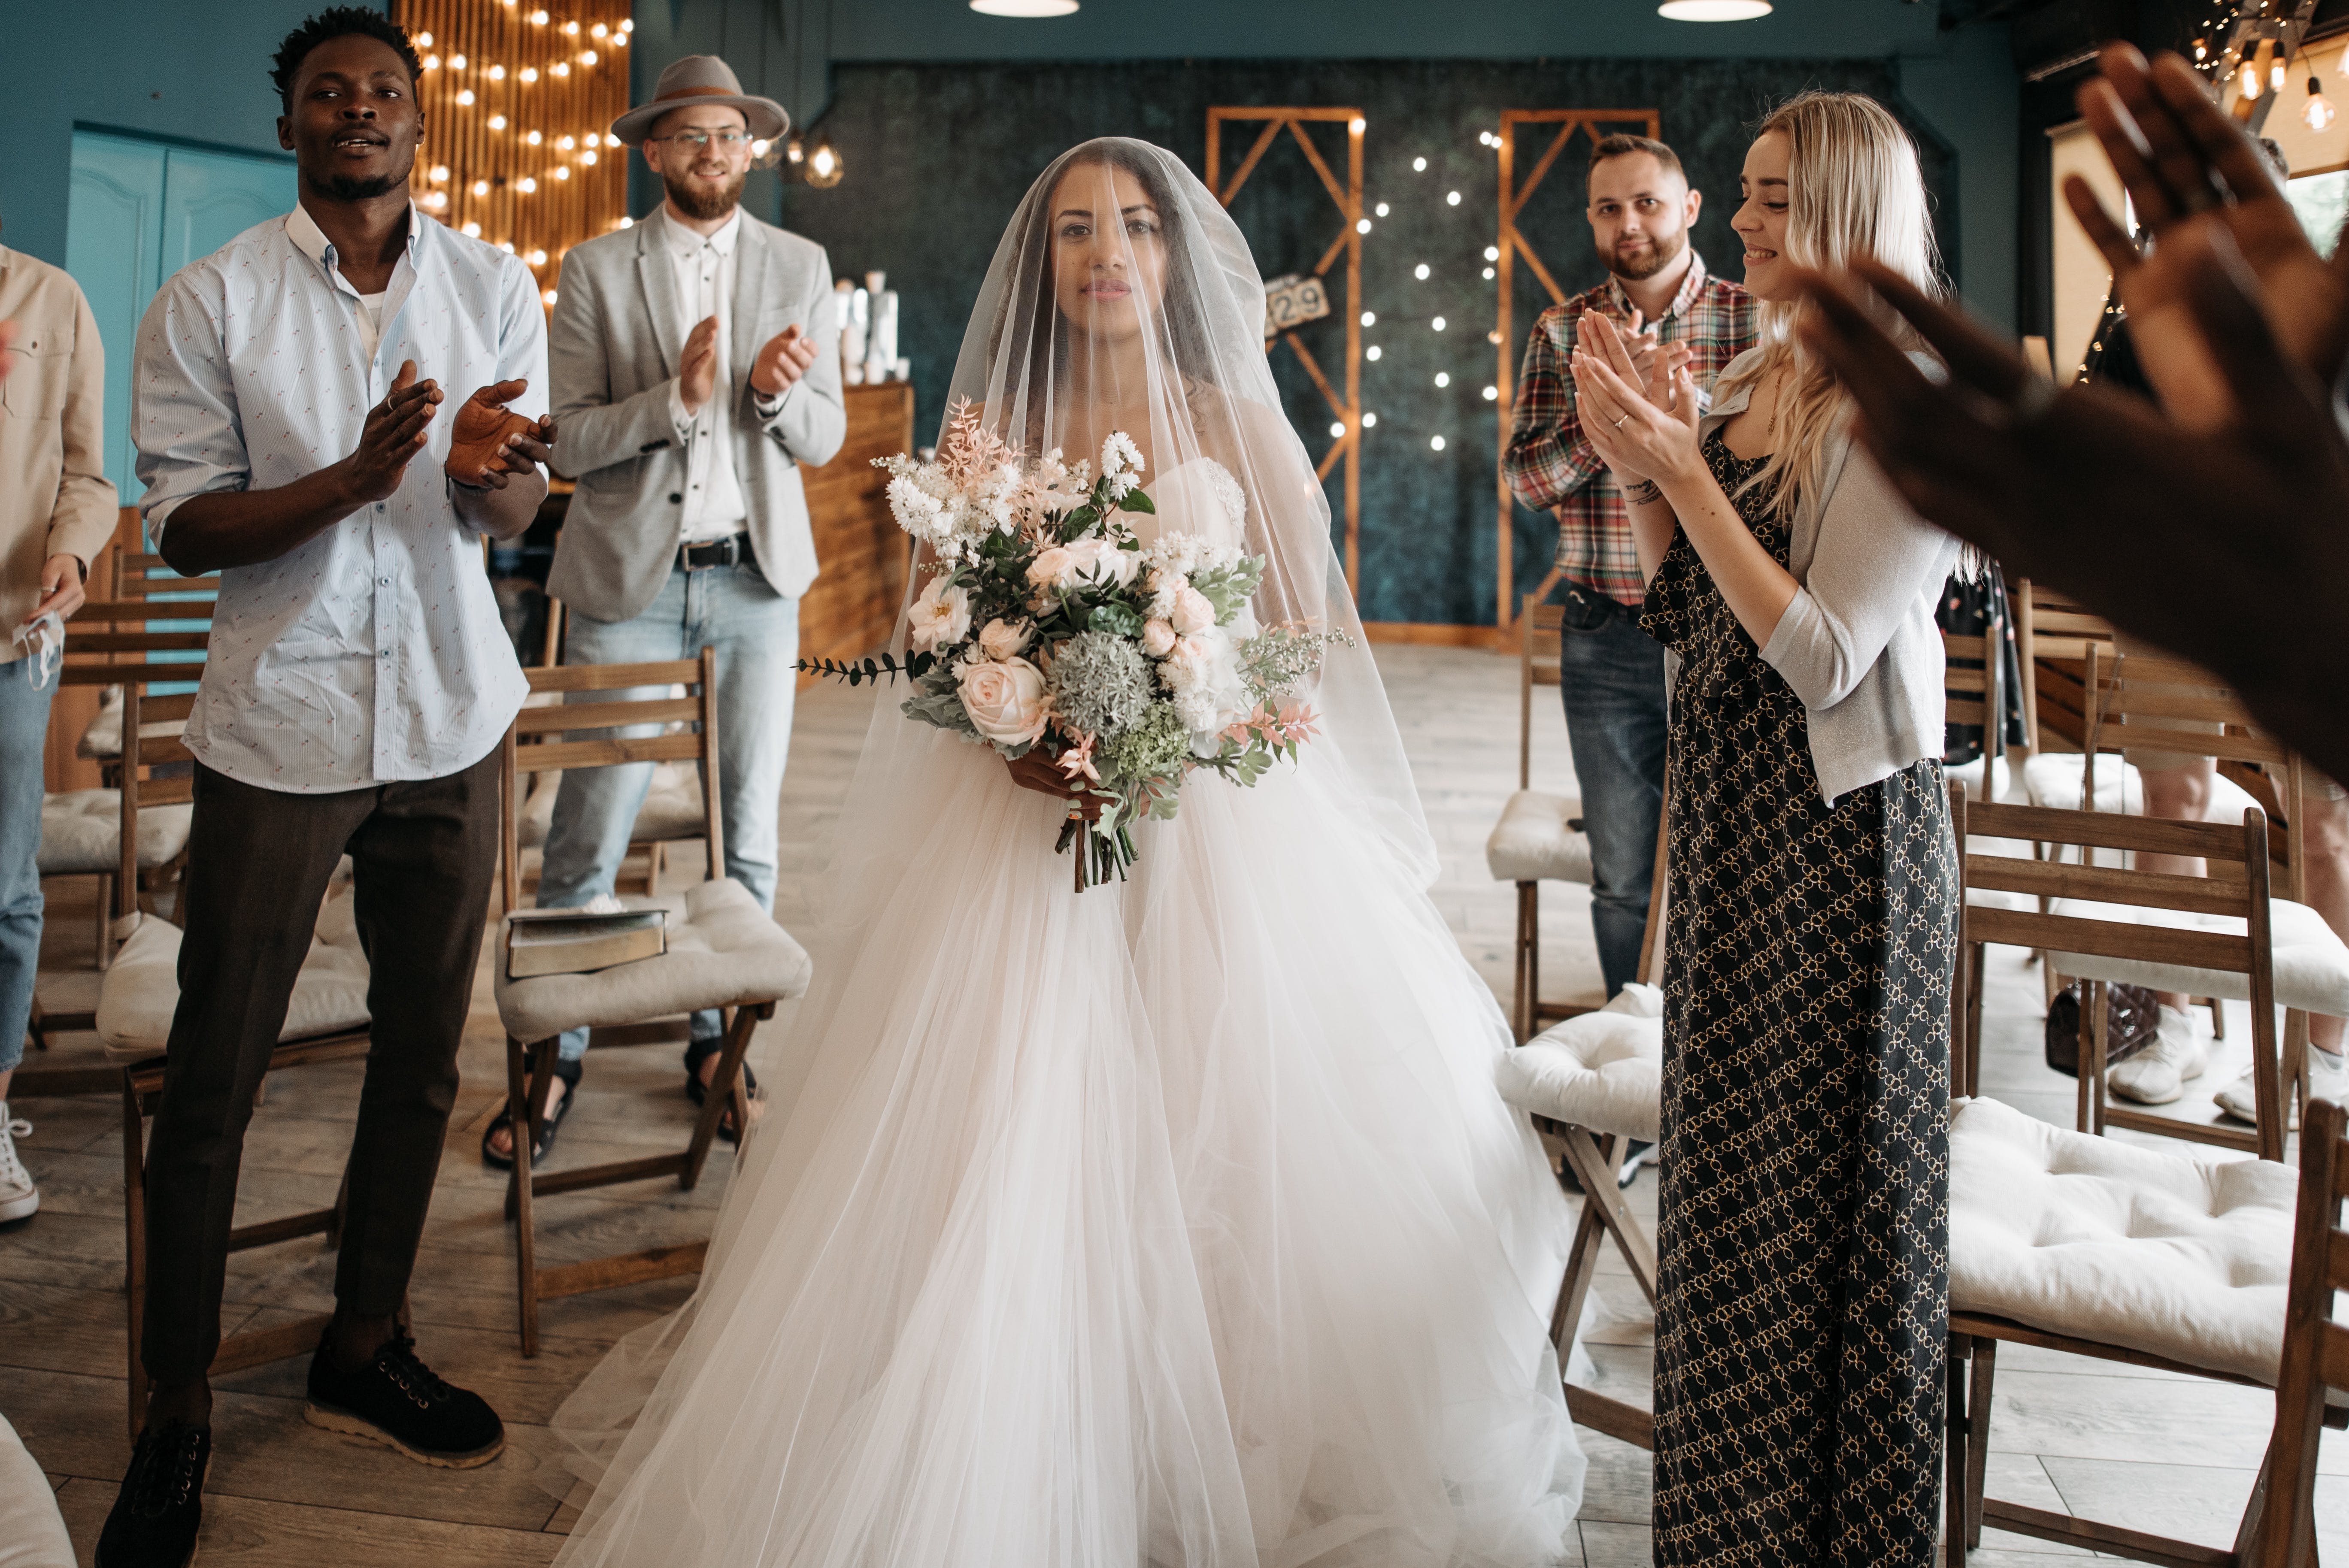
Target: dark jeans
(1611,675)
(423,854)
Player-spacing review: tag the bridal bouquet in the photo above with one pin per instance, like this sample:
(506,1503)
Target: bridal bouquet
(1050,627)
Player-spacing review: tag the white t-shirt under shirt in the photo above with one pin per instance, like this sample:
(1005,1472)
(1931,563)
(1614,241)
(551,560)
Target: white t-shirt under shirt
(371,321)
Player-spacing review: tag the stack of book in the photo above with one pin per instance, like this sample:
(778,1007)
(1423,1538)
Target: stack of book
(577,942)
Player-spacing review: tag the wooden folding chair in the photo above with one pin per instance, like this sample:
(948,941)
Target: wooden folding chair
(2315,1344)
(765,964)
(2104,927)
(1539,836)
(1596,1157)
(133,1016)
(1973,685)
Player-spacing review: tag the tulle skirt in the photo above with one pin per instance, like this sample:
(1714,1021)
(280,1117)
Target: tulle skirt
(1170,1223)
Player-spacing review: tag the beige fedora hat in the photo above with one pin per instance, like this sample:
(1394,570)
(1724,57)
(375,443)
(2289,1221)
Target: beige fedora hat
(702,80)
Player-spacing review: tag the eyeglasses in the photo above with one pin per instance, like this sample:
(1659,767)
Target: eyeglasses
(698,139)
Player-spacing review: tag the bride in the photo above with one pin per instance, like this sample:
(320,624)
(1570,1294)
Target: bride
(1173,1222)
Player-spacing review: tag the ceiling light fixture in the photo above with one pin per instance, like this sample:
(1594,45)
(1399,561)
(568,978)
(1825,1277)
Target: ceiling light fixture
(1024,7)
(1712,10)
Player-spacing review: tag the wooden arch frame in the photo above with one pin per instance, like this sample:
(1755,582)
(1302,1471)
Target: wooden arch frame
(1598,124)
(1349,198)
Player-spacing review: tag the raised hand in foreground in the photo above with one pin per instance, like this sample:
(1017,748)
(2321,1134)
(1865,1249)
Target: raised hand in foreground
(2188,166)
(2228,543)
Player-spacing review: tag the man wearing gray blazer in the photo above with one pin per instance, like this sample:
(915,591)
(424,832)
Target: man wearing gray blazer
(694,365)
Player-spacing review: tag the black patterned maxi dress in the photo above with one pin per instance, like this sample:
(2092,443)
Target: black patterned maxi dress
(1804,1287)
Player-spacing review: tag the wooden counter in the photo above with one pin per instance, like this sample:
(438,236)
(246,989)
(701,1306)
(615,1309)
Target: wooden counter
(861,553)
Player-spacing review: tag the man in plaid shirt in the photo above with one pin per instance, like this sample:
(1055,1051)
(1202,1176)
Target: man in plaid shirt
(1612,676)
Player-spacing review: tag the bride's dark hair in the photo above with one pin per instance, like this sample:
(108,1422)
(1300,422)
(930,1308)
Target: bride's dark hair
(1029,328)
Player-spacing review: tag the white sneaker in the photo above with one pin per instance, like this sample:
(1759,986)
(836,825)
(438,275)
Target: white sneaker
(2328,1079)
(18,1196)
(2157,1074)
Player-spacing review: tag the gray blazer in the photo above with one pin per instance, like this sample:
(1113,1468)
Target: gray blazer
(1858,644)
(612,354)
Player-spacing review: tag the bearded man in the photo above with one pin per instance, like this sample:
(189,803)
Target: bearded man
(1612,674)
(696,364)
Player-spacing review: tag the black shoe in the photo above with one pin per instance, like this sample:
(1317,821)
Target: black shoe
(396,1401)
(699,1092)
(1639,1154)
(160,1507)
(504,1119)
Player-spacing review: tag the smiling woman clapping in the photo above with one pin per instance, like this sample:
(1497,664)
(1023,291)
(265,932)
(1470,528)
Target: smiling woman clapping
(1804,1287)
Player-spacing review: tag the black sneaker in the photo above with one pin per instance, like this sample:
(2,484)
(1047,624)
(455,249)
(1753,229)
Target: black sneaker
(160,1507)
(396,1401)
(1638,1155)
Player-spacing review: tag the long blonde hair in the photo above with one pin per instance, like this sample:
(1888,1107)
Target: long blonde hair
(1854,189)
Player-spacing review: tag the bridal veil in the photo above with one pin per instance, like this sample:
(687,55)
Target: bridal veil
(1171,1223)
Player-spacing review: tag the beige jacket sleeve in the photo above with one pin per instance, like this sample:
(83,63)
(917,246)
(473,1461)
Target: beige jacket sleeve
(82,522)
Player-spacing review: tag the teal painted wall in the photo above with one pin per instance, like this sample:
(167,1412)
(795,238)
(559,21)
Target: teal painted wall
(198,73)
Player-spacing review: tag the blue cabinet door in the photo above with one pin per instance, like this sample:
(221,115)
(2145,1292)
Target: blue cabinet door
(139,211)
(114,249)
(210,198)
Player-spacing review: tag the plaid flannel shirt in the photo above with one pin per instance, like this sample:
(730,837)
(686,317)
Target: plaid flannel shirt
(1552,465)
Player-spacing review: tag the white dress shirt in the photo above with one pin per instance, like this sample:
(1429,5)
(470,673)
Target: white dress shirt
(373,652)
(704,270)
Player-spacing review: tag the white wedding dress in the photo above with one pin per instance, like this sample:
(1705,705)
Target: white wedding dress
(1173,1222)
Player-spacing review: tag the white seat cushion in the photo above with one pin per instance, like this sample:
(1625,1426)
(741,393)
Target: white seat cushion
(142,990)
(1601,1070)
(1970,774)
(32,1530)
(672,807)
(102,740)
(81,832)
(725,949)
(1533,844)
(2166,1253)
(2054,780)
(2311,963)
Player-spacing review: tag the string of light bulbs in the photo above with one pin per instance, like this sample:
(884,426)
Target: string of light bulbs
(517,100)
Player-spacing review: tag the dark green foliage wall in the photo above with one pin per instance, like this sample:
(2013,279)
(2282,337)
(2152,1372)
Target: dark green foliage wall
(937,156)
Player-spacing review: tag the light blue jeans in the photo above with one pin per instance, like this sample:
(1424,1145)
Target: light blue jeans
(756,633)
(24,730)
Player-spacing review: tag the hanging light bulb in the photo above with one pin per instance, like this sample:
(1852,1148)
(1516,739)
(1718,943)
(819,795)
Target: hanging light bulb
(2275,77)
(530,73)
(562,171)
(588,157)
(527,185)
(423,40)
(497,73)
(2319,113)
(456,62)
(2248,83)
(1370,421)
(538,258)
(823,167)
(497,122)
(1373,352)
(465,97)
(598,30)
(559,69)
(572,28)
(564,142)
(587,57)
(440,174)
(472,231)
(431,62)
(480,187)
(533,139)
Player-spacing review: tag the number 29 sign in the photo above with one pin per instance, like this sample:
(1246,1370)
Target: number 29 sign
(1292,301)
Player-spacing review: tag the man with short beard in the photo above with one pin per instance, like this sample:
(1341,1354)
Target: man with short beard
(1612,674)
(695,363)
(287,402)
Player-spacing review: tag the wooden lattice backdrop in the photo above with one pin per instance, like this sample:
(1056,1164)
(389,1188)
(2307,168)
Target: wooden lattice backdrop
(1598,124)
(1348,445)
(499,73)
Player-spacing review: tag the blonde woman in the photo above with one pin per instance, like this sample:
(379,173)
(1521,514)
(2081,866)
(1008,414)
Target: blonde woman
(1805,1282)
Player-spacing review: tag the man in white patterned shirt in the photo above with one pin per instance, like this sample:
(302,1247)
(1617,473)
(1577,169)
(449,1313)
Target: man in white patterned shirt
(287,410)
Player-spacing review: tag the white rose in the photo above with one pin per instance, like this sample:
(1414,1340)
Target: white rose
(1192,615)
(1050,566)
(1157,638)
(1005,639)
(1098,562)
(941,616)
(1004,699)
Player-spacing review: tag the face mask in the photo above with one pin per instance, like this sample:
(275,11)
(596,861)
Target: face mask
(43,642)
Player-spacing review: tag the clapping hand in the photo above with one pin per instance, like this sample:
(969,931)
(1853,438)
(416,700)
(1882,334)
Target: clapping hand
(395,431)
(788,355)
(491,442)
(697,375)
(1643,426)
(2188,166)
(1655,360)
